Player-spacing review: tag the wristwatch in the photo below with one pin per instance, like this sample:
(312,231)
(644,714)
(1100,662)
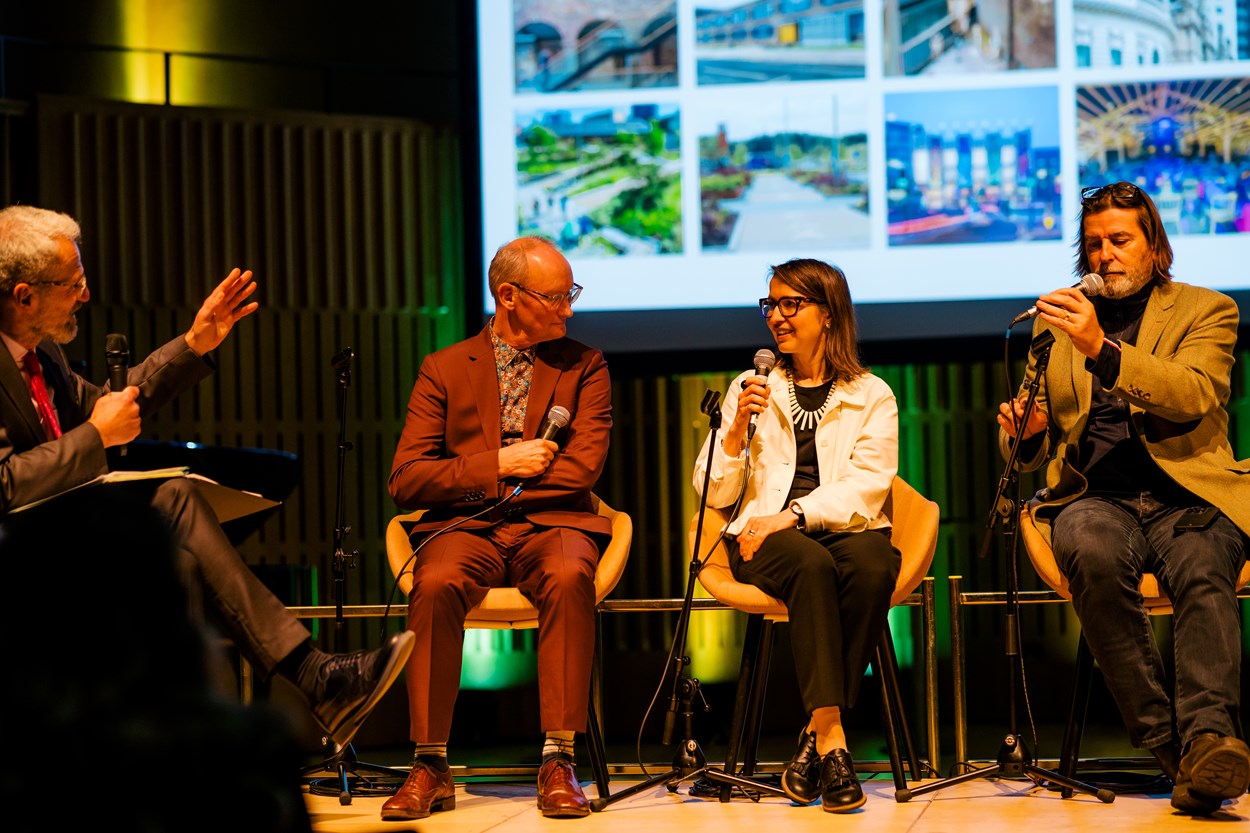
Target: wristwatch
(798,511)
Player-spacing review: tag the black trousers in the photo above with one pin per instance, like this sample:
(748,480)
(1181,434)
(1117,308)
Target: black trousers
(837,587)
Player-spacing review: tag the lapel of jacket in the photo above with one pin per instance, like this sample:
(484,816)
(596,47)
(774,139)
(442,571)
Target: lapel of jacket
(542,387)
(1155,318)
(484,382)
(15,388)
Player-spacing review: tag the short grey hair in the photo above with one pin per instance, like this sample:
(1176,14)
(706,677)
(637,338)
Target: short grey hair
(28,243)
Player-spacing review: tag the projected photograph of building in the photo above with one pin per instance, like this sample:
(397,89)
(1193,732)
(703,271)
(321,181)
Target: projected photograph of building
(571,45)
(1186,143)
(781,173)
(601,182)
(1112,33)
(960,37)
(741,42)
(972,166)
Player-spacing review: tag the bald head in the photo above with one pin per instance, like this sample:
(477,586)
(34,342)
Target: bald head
(515,260)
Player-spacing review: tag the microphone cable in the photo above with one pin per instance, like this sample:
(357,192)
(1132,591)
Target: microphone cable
(390,598)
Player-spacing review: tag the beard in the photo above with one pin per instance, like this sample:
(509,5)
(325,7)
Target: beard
(62,332)
(1124,284)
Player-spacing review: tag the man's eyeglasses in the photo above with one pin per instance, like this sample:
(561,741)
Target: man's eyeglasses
(557,299)
(1118,190)
(78,286)
(788,306)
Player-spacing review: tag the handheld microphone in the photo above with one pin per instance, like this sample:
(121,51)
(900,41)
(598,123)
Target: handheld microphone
(764,361)
(557,418)
(117,357)
(1091,284)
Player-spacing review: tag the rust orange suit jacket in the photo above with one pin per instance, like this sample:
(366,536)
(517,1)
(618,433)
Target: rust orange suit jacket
(447,458)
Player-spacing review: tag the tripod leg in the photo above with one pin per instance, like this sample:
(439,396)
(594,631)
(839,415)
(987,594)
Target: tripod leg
(985,772)
(1071,784)
(597,804)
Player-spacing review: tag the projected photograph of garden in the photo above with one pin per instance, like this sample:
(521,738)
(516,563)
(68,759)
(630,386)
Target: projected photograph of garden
(1186,143)
(973,166)
(781,172)
(601,181)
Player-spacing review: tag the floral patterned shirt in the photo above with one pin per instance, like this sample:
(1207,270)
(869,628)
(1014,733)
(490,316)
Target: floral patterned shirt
(515,371)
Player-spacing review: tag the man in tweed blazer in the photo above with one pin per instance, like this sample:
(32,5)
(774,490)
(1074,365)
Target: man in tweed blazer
(1142,478)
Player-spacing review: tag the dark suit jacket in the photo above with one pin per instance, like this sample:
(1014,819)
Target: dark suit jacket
(447,457)
(1176,381)
(32,468)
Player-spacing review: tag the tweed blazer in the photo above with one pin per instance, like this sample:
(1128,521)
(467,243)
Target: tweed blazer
(1175,379)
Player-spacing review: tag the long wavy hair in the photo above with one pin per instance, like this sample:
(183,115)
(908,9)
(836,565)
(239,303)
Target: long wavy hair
(1127,195)
(827,286)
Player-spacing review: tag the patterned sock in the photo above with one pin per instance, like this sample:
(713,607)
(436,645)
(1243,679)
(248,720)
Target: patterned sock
(558,743)
(431,754)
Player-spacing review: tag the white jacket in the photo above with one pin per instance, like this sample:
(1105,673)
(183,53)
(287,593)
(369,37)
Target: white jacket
(856,451)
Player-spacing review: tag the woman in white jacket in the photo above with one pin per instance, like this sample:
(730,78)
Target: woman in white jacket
(813,480)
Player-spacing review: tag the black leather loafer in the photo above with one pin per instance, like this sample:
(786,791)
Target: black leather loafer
(801,780)
(840,791)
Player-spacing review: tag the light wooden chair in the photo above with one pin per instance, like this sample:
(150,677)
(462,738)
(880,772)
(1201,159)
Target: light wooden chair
(506,608)
(1153,596)
(914,532)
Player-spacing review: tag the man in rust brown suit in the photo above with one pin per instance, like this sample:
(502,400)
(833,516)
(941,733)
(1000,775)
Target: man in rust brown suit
(472,437)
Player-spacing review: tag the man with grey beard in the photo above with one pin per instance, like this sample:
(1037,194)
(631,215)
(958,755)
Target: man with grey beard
(1131,413)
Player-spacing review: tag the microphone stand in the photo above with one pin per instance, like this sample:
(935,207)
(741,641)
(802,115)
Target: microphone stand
(1014,757)
(689,760)
(341,760)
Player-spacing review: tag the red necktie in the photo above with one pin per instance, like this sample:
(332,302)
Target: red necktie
(39,392)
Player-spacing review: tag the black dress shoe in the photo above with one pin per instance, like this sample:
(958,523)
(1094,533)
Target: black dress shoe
(840,791)
(346,687)
(801,780)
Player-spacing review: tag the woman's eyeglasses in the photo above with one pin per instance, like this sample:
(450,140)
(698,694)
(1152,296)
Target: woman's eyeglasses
(788,306)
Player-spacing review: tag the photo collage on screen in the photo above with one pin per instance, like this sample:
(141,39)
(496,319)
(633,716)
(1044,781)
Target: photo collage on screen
(953,128)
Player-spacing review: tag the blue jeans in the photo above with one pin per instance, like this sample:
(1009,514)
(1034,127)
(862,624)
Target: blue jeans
(1103,545)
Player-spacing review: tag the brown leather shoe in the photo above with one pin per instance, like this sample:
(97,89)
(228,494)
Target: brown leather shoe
(1213,768)
(559,794)
(426,789)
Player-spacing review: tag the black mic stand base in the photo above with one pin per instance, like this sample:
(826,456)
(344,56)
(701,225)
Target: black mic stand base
(341,763)
(1014,760)
(690,762)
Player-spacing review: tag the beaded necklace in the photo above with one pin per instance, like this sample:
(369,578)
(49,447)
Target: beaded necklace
(805,420)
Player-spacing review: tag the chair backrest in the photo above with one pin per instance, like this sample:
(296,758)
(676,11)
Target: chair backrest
(505,607)
(914,533)
(1043,557)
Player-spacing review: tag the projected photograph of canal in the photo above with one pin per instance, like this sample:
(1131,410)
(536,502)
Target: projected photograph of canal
(783,172)
(973,166)
(747,42)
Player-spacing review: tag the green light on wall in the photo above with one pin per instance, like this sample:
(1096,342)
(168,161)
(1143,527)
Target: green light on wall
(496,659)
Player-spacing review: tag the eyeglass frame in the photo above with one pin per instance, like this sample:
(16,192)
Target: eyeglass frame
(556,300)
(767,305)
(78,286)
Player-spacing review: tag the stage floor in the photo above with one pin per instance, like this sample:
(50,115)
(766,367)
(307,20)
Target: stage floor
(982,804)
